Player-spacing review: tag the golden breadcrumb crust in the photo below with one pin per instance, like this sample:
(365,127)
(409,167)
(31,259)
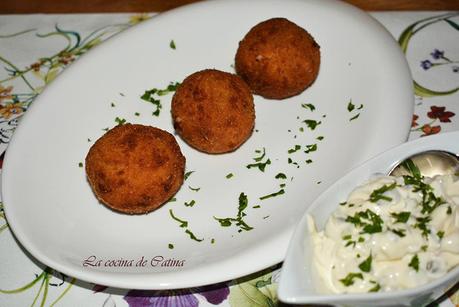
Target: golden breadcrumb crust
(213,111)
(278,59)
(134,169)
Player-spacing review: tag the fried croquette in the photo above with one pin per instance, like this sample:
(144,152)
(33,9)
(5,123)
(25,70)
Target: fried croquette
(134,169)
(213,111)
(278,59)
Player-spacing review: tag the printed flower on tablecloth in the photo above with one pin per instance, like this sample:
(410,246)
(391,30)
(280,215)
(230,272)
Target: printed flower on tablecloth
(414,122)
(440,113)
(135,19)
(437,57)
(5,93)
(440,59)
(428,130)
(214,294)
(10,110)
(436,113)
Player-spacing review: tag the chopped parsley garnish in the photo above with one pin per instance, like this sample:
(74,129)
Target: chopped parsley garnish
(190,203)
(308,161)
(440,234)
(424,248)
(376,288)
(137,114)
(449,210)
(260,165)
(112,104)
(354,117)
(422,225)
(290,161)
(294,149)
(349,279)
(368,220)
(350,106)
(320,138)
(308,106)
(259,158)
(192,236)
(148,96)
(80,164)
(171,246)
(365,266)
(281,176)
(194,189)
(238,220)
(429,201)
(414,263)
(184,224)
(398,232)
(280,192)
(311,123)
(187,174)
(349,243)
(172,45)
(347,237)
(412,168)
(401,217)
(378,194)
(120,121)
(230,175)
(310,148)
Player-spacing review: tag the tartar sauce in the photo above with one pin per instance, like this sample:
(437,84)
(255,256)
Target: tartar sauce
(392,233)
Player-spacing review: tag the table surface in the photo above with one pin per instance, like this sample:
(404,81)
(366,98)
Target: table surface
(434,62)
(83,6)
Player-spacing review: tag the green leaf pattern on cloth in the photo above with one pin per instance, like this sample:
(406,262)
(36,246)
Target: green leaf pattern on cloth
(260,291)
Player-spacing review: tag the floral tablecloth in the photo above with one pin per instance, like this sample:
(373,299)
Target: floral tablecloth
(34,49)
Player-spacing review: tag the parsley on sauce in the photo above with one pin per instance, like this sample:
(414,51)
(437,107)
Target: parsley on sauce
(378,194)
(414,263)
(349,279)
(365,266)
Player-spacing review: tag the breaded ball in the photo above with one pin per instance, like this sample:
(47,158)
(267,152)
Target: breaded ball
(278,59)
(213,111)
(134,169)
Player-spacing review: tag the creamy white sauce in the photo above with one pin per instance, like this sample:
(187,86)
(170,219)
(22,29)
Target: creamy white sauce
(397,238)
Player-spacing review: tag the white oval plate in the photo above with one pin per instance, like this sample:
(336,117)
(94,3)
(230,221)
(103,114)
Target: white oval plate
(54,214)
(298,283)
